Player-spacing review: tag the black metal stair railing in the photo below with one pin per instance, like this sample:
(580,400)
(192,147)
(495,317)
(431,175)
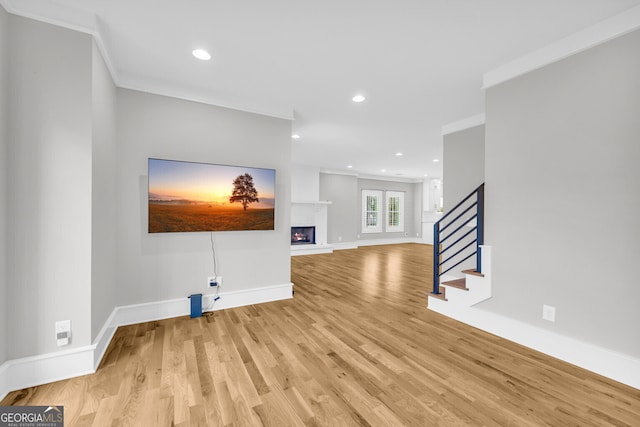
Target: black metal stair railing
(457,236)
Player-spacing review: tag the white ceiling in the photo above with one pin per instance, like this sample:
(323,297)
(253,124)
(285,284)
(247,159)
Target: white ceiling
(418,62)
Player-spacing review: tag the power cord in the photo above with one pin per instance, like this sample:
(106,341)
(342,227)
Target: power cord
(213,256)
(215,297)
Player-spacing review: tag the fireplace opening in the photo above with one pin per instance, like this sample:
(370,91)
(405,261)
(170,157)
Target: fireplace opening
(303,235)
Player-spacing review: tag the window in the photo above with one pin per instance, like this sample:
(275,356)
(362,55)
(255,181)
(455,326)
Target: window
(371,211)
(395,211)
(374,215)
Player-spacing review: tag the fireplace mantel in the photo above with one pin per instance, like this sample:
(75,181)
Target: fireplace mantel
(311,202)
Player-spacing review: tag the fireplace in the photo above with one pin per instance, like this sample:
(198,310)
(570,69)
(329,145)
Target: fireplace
(303,235)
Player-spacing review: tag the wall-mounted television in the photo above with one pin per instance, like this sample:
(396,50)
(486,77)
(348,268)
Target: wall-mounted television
(191,196)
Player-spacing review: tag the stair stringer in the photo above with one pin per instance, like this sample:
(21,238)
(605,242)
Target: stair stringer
(478,289)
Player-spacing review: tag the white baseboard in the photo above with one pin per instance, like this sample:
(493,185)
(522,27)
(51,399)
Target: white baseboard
(345,245)
(372,242)
(31,371)
(45,368)
(355,245)
(147,312)
(251,296)
(616,366)
(393,241)
(103,339)
(311,249)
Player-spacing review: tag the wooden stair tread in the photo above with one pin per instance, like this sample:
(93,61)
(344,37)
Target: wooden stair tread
(473,272)
(458,283)
(440,295)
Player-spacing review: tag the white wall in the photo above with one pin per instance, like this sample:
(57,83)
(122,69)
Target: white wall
(76,198)
(4,136)
(412,197)
(305,183)
(103,200)
(156,267)
(432,195)
(345,212)
(562,195)
(463,172)
(49,193)
(343,219)
(463,164)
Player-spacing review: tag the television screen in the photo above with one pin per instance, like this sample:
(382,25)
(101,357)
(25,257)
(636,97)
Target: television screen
(189,196)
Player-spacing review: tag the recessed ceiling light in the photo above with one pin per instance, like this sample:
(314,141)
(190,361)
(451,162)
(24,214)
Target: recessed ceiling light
(399,154)
(201,54)
(436,160)
(358,98)
(295,136)
(349,166)
(383,170)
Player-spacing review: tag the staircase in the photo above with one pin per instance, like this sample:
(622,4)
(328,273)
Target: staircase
(458,242)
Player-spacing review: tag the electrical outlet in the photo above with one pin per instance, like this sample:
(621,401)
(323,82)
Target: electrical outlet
(549,313)
(214,281)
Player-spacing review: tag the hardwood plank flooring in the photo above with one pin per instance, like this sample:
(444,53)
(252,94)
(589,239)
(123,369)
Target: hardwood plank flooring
(355,346)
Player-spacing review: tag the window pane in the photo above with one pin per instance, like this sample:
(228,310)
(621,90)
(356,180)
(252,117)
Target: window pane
(372,211)
(395,207)
(371,203)
(372,217)
(394,211)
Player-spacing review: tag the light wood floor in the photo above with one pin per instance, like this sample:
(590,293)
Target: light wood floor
(355,346)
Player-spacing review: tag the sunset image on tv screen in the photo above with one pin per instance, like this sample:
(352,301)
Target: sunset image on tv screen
(189,196)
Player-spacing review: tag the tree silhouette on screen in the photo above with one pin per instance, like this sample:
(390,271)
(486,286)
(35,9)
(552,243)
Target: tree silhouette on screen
(243,191)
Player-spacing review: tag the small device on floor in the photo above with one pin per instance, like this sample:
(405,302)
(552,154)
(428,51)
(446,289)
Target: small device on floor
(196,305)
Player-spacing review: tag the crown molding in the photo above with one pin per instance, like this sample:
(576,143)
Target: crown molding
(53,13)
(88,23)
(597,34)
(468,123)
(407,180)
(337,172)
(162,88)
(64,17)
